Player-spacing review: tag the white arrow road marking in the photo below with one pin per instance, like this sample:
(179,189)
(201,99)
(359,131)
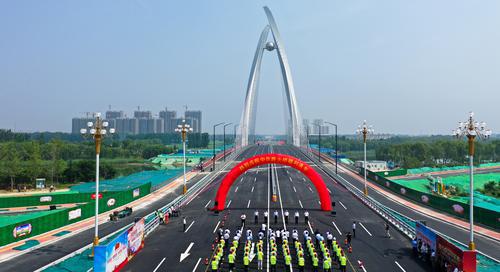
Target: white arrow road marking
(342,205)
(197,263)
(365,229)
(158,266)
(248,205)
(215,229)
(335,225)
(186,253)
(253,188)
(229,203)
(207,203)
(300,203)
(189,227)
(252,254)
(400,266)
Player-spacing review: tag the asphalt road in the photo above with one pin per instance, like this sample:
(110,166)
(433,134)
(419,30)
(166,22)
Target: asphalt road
(484,244)
(163,248)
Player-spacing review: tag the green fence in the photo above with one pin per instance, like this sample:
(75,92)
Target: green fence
(28,228)
(45,199)
(394,173)
(481,215)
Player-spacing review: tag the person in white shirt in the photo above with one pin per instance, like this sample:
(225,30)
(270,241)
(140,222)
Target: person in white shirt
(276,217)
(296,217)
(354,229)
(265,216)
(286,216)
(256,216)
(306,217)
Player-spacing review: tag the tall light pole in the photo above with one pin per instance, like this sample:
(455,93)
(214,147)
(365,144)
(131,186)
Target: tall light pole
(224,138)
(471,129)
(213,145)
(97,130)
(234,139)
(184,129)
(364,130)
(336,148)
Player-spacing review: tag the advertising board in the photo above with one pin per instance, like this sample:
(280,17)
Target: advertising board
(22,230)
(114,256)
(74,214)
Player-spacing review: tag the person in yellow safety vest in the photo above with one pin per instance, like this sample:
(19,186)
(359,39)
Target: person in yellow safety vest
(230,259)
(315,262)
(260,259)
(273,262)
(302,262)
(343,262)
(246,262)
(215,265)
(338,253)
(288,259)
(327,265)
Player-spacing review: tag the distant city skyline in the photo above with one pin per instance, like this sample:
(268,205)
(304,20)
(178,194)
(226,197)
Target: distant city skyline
(407,68)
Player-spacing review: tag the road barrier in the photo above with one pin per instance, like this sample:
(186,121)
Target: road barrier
(21,230)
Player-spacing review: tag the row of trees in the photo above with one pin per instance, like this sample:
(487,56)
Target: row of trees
(413,152)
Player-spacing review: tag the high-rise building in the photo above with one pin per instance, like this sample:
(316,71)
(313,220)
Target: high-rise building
(78,123)
(196,120)
(125,126)
(114,114)
(168,120)
(143,114)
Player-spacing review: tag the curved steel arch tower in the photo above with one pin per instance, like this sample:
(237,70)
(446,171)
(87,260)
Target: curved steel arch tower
(248,117)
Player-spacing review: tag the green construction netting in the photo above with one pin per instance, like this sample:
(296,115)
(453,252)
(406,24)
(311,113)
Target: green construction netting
(7,219)
(461,181)
(415,171)
(129,182)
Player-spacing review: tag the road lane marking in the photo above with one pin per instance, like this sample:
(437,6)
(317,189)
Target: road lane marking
(365,229)
(215,229)
(189,227)
(290,178)
(253,188)
(304,179)
(207,203)
(335,225)
(295,190)
(254,179)
(329,190)
(400,266)
(300,203)
(158,266)
(236,190)
(186,253)
(310,189)
(319,202)
(342,205)
(361,265)
(229,203)
(310,227)
(197,263)
(248,205)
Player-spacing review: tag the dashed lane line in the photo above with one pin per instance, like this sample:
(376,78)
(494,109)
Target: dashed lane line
(158,266)
(229,203)
(300,203)
(400,266)
(248,205)
(236,190)
(189,227)
(329,190)
(310,188)
(337,228)
(197,263)
(253,188)
(215,229)
(365,229)
(343,205)
(206,205)
(295,190)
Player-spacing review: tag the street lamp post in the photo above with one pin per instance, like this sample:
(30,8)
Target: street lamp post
(336,148)
(364,130)
(184,129)
(224,139)
(471,129)
(213,145)
(234,139)
(98,131)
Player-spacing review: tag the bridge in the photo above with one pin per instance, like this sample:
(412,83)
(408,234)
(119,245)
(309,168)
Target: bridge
(286,182)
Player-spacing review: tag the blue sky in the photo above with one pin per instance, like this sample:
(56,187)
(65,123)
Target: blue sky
(407,67)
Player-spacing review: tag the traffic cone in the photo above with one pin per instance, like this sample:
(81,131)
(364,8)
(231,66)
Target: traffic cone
(350,249)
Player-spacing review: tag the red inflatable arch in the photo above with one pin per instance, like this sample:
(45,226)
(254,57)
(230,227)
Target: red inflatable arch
(314,177)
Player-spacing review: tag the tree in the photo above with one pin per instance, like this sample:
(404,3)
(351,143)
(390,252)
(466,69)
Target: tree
(12,165)
(107,171)
(34,167)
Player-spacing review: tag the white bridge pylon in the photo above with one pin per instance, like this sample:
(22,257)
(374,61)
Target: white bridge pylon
(293,126)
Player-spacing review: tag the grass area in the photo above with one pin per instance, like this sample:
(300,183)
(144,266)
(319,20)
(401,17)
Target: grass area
(358,155)
(461,181)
